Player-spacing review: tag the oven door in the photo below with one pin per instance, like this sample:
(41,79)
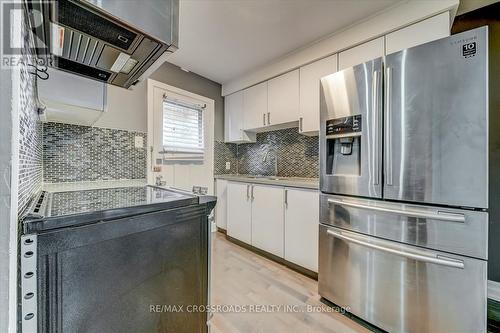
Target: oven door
(402,288)
(351,131)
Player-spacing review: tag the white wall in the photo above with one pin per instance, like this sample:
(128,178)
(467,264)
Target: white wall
(8,204)
(404,14)
(10,93)
(126,109)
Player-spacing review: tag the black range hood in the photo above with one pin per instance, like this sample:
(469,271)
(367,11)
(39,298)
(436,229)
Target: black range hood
(113,41)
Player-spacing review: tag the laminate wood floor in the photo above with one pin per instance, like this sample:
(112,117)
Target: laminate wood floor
(243,278)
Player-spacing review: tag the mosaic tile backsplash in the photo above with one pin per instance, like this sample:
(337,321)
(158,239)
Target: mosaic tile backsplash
(73,153)
(30,130)
(284,153)
(225,152)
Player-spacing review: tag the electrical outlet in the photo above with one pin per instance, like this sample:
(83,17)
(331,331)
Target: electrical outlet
(228,165)
(139,142)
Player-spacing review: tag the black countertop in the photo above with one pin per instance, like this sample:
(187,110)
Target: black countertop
(55,210)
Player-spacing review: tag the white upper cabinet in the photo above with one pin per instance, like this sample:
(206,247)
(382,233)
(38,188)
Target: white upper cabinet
(361,53)
(283,99)
(233,119)
(422,32)
(255,106)
(309,93)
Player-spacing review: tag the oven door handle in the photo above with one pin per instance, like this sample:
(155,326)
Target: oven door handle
(443,216)
(433,259)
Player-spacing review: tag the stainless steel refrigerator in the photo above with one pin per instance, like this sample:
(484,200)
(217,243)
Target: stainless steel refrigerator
(404,167)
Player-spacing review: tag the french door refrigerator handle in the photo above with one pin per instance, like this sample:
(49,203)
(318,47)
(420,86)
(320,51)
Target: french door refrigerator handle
(443,216)
(376,117)
(388,129)
(433,259)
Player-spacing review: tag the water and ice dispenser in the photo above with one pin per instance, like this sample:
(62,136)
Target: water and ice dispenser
(343,145)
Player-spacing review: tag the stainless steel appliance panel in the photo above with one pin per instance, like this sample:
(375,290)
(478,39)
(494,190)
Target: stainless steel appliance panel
(402,288)
(354,92)
(457,231)
(436,122)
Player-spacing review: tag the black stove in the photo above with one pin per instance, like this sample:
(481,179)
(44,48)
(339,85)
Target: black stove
(96,260)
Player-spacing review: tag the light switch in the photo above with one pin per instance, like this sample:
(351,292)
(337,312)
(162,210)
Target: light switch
(228,165)
(139,142)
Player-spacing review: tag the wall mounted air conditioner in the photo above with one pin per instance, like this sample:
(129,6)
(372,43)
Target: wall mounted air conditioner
(72,99)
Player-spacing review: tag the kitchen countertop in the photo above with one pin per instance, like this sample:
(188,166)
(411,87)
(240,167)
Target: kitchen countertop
(92,185)
(311,183)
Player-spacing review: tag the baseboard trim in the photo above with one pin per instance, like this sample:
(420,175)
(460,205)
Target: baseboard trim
(275,258)
(494,290)
(222,231)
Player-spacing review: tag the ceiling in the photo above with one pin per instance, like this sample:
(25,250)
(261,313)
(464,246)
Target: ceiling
(223,39)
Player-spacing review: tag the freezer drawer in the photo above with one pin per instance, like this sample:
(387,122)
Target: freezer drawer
(458,231)
(402,288)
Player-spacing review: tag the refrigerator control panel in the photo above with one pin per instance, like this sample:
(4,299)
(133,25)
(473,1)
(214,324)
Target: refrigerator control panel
(345,125)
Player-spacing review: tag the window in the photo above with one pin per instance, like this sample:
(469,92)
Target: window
(182,127)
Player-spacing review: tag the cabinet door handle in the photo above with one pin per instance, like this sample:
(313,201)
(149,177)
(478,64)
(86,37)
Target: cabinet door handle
(264,119)
(252,193)
(286,198)
(248,196)
(269,118)
(300,124)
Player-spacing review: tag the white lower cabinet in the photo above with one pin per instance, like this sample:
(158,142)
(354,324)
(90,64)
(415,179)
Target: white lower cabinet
(239,212)
(279,220)
(268,218)
(302,227)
